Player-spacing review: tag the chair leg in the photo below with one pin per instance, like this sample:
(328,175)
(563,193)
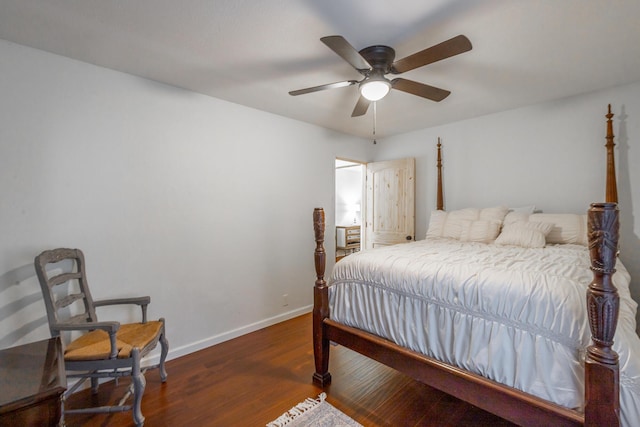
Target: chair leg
(62,401)
(164,345)
(139,383)
(94,385)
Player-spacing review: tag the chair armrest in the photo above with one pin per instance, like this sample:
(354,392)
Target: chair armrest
(143,302)
(134,300)
(110,327)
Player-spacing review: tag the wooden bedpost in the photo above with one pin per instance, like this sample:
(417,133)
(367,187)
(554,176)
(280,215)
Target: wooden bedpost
(322,376)
(602,387)
(439,198)
(611,195)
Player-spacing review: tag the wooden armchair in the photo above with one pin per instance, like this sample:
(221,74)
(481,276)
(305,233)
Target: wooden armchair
(106,349)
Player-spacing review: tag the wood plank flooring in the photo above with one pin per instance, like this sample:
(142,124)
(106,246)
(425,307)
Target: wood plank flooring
(253,379)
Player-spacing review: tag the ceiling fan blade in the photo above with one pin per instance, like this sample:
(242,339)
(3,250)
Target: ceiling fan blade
(361,107)
(339,45)
(420,89)
(446,49)
(323,87)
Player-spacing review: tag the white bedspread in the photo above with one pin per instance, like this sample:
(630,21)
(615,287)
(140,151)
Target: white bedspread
(514,315)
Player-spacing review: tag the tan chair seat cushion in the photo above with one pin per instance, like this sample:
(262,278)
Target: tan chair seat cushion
(96,345)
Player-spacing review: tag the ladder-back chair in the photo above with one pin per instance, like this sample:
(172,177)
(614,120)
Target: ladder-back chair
(106,349)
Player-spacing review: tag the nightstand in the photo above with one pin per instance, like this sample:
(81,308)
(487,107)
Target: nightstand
(347,239)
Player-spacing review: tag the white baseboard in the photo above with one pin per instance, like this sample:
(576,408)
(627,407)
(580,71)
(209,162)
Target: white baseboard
(225,336)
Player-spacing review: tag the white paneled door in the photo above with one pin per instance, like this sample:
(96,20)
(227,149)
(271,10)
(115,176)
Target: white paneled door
(390,210)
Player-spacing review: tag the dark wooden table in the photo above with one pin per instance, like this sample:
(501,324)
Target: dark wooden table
(32,381)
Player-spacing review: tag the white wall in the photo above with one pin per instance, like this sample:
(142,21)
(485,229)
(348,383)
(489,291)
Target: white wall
(172,194)
(202,204)
(551,155)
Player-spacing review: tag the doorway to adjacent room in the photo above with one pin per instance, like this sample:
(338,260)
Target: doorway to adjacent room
(349,191)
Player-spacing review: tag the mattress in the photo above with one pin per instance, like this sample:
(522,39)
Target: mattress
(510,314)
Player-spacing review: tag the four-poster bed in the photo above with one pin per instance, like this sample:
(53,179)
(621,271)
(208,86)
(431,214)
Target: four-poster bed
(361,289)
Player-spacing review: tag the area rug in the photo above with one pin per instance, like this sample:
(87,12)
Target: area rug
(314,413)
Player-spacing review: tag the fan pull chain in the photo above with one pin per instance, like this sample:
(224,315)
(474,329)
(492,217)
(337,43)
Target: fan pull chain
(375,118)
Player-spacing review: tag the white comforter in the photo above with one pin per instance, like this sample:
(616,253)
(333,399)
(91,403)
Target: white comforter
(511,314)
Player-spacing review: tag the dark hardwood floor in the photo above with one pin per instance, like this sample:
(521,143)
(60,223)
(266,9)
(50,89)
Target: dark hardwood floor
(253,379)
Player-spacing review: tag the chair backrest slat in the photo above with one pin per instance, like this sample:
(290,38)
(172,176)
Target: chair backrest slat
(68,300)
(55,304)
(63,278)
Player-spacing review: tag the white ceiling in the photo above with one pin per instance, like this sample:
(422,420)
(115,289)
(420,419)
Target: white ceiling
(254,52)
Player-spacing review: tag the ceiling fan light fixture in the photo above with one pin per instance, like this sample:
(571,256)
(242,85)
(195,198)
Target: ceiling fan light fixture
(375,89)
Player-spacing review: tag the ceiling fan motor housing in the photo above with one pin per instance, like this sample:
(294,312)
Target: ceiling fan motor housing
(379,57)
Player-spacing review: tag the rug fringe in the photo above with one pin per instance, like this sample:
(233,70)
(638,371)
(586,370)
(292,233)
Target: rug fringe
(297,411)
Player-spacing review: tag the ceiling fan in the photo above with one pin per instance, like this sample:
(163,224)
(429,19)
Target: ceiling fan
(374,62)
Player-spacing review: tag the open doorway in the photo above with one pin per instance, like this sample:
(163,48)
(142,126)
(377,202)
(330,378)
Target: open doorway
(349,178)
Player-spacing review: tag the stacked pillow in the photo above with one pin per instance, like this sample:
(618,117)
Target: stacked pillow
(518,230)
(567,228)
(516,227)
(468,225)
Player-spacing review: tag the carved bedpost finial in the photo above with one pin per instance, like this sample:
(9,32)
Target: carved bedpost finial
(602,405)
(320,255)
(611,195)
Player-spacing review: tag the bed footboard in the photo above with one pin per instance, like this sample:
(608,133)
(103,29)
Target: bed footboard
(601,366)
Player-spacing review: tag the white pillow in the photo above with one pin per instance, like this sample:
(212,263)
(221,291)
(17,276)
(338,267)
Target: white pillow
(455,220)
(526,234)
(450,224)
(515,217)
(543,227)
(481,230)
(567,228)
(436,223)
(493,214)
(521,235)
